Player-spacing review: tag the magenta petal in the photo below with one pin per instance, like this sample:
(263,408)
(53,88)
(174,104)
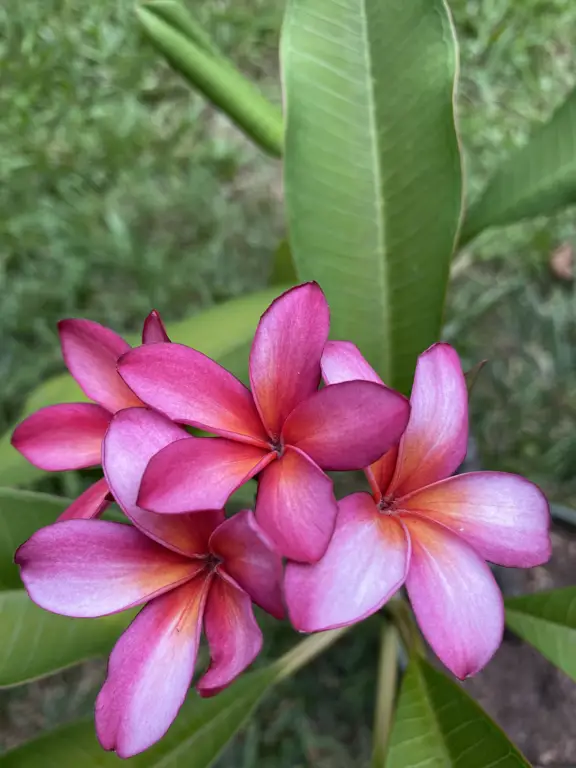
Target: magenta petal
(89,504)
(199,473)
(91,352)
(504,517)
(250,560)
(234,637)
(150,671)
(343,361)
(365,564)
(435,442)
(296,507)
(61,437)
(191,388)
(349,425)
(88,568)
(154,331)
(134,436)
(286,352)
(454,596)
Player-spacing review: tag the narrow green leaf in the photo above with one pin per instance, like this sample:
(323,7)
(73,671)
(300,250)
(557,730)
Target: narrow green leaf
(372,168)
(217,79)
(438,725)
(179,18)
(547,620)
(536,180)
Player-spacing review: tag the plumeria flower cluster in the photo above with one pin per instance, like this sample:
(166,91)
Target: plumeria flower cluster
(194,569)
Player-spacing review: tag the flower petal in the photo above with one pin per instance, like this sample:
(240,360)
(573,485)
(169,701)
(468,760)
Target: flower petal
(296,508)
(349,425)
(150,671)
(435,442)
(61,437)
(154,331)
(365,564)
(250,560)
(88,568)
(135,435)
(234,637)
(199,473)
(286,352)
(343,361)
(454,596)
(91,353)
(382,471)
(504,517)
(89,504)
(191,388)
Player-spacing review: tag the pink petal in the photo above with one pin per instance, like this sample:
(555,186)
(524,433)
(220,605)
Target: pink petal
(91,352)
(88,568)
(150,670)
(286,352)
(504,517)
(89,504)
(61,437)
(365,564)
(154,331)
(381,472)
(295,507)
(135,435)
(454,596)
(250,561)
(349,425)
(435,442)
(343,361)
(233,636)
(199,473)
(189,387)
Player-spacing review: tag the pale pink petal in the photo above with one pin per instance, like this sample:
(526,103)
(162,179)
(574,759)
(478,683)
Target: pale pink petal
(381,472)
(61,437)
(234,637)
(504,517)
(349,425)
(249,559)
(88,568)
(89,504)
(365,564)
(455,598)
(135,435)
(286,352)
(191,388)
(296,508)
(150,671)
(435,442)
(199,473)
(154,331)
(91,353)
(343,361)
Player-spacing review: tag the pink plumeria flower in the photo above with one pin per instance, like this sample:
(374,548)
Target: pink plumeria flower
(191,571)
(69,436)
(423,528)
(284,430)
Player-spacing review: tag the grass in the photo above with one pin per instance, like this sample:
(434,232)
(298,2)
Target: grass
(120,191)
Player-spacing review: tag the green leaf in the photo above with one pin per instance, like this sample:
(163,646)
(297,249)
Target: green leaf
(438,725)
(372,168)
(536,180)
(547,620)
(214,76)
(179,18)
(283,269)
(198,736)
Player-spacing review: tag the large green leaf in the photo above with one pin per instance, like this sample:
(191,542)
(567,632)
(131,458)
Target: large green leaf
(199,734)
(547,620)
(536,180)
(438,725)
(372,168)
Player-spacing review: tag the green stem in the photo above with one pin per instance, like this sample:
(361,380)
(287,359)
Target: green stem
(385,694)
(400,613)
(306,651)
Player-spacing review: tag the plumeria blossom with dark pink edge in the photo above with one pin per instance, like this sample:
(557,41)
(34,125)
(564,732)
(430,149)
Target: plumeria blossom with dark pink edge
(69,436)
(284,430)
(423,528)
(191,572)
